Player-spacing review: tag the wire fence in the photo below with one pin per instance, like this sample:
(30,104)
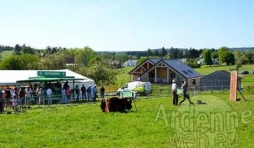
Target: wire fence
(157,93)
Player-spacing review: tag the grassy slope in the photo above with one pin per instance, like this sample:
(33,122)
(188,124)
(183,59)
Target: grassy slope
(206,69)
(5,54)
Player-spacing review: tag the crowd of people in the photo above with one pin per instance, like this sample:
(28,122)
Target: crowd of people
(83,94)
(42,94)
(12,97)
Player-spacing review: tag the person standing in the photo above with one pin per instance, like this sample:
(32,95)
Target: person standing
(8,96)
(68,94)
(102,92)
(89,93)
(66,85)
(83,90)
(49,95)
(28,95)
(41,95)
(184,88)
(15,103)
(94,93)
(1,101)
(22,95)
(77,90)
(174,92)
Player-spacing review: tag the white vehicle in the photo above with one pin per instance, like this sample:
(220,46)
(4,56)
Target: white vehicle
(141,88)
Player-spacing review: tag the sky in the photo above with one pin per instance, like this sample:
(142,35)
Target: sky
(127,25)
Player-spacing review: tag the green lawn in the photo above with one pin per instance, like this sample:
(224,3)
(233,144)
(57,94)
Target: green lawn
(157,123)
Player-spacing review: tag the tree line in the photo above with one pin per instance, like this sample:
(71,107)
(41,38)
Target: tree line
(98,65)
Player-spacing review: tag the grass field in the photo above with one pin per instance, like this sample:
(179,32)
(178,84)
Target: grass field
(204,70)
(156,123)
(5,54)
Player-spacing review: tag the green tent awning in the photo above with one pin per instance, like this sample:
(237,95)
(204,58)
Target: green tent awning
(43,79)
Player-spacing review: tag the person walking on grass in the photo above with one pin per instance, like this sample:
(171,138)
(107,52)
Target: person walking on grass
(184,88)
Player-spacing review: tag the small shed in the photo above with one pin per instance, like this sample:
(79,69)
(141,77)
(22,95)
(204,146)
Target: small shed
(217,80)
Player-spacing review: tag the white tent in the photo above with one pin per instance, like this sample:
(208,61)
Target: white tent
(9,77)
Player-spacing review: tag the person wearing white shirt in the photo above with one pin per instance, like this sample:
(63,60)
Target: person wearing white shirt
(28,95)
(49,95)
(174,92)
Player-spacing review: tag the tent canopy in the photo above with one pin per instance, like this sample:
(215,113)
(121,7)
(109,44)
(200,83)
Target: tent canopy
(14,77)
(40,79)
(50,76)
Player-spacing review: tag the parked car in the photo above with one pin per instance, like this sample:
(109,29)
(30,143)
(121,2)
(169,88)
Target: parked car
(141,88)
(244,72)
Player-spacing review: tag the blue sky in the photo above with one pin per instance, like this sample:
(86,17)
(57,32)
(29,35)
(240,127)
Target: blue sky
(127,25)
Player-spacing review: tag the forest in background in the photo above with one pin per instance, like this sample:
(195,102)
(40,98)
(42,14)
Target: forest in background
(103,66)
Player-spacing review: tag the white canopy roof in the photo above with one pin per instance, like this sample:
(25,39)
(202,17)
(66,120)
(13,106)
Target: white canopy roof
(11,76)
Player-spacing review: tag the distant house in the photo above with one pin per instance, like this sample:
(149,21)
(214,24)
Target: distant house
(130,63)
(163,71)
(202,61)
(115,63)
(217,80)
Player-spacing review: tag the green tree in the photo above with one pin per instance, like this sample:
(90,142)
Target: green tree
(156,53)
(20,62)
(101,72)
(27,50)
(208,57)
(174,53)
(82,56)
(17,50)
(1,55)
(223,52)
(149,53)
(229,58)
(141,60)
(250,57)
(53,61)
(214,54)
(163,52)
